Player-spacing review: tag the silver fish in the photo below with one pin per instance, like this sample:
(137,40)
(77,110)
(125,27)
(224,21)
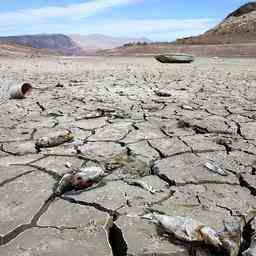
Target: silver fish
(212,166)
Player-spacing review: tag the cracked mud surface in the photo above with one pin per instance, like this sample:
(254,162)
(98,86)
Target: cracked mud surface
(139,120)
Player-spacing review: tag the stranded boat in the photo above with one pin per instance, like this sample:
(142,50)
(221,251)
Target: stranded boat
(175,58)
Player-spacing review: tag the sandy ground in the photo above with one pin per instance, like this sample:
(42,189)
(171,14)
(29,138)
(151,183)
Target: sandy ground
(139,120)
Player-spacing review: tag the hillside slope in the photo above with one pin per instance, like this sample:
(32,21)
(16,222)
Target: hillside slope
(237,28)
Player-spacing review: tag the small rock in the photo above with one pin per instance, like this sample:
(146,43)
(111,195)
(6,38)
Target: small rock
(162,93)
(59,85)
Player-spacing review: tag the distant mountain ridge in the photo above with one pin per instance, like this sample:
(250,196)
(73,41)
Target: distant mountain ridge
(238,27)
(70,45)
(52,42)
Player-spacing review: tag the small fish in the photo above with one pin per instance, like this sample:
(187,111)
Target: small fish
(214,167)
(54,139)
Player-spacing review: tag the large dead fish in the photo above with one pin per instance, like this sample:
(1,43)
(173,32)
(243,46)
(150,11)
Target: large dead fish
(186,229)
(83,179)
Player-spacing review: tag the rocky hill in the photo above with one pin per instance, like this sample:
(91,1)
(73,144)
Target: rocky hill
(238,27)
(52,42)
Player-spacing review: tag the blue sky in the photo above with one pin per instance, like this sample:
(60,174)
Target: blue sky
(158,20)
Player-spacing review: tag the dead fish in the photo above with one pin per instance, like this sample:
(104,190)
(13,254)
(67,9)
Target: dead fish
(54,139)
(83,179)
(186,229)
(86,176)
(214,167)
(141,184)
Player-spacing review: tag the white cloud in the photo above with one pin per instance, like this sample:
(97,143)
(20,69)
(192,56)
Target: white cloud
(158,29)
(74,11)
(70,19)
(139,27)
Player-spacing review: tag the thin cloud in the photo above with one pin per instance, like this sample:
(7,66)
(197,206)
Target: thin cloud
(121,27)
(71,19)
(74,11)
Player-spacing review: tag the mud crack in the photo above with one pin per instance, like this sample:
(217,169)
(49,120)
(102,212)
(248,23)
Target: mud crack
(33,223)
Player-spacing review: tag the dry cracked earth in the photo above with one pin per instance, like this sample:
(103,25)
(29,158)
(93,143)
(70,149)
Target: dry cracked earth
(138,120)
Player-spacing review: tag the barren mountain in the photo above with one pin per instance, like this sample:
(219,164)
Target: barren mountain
(52,42)
(95,42)
(238,27)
